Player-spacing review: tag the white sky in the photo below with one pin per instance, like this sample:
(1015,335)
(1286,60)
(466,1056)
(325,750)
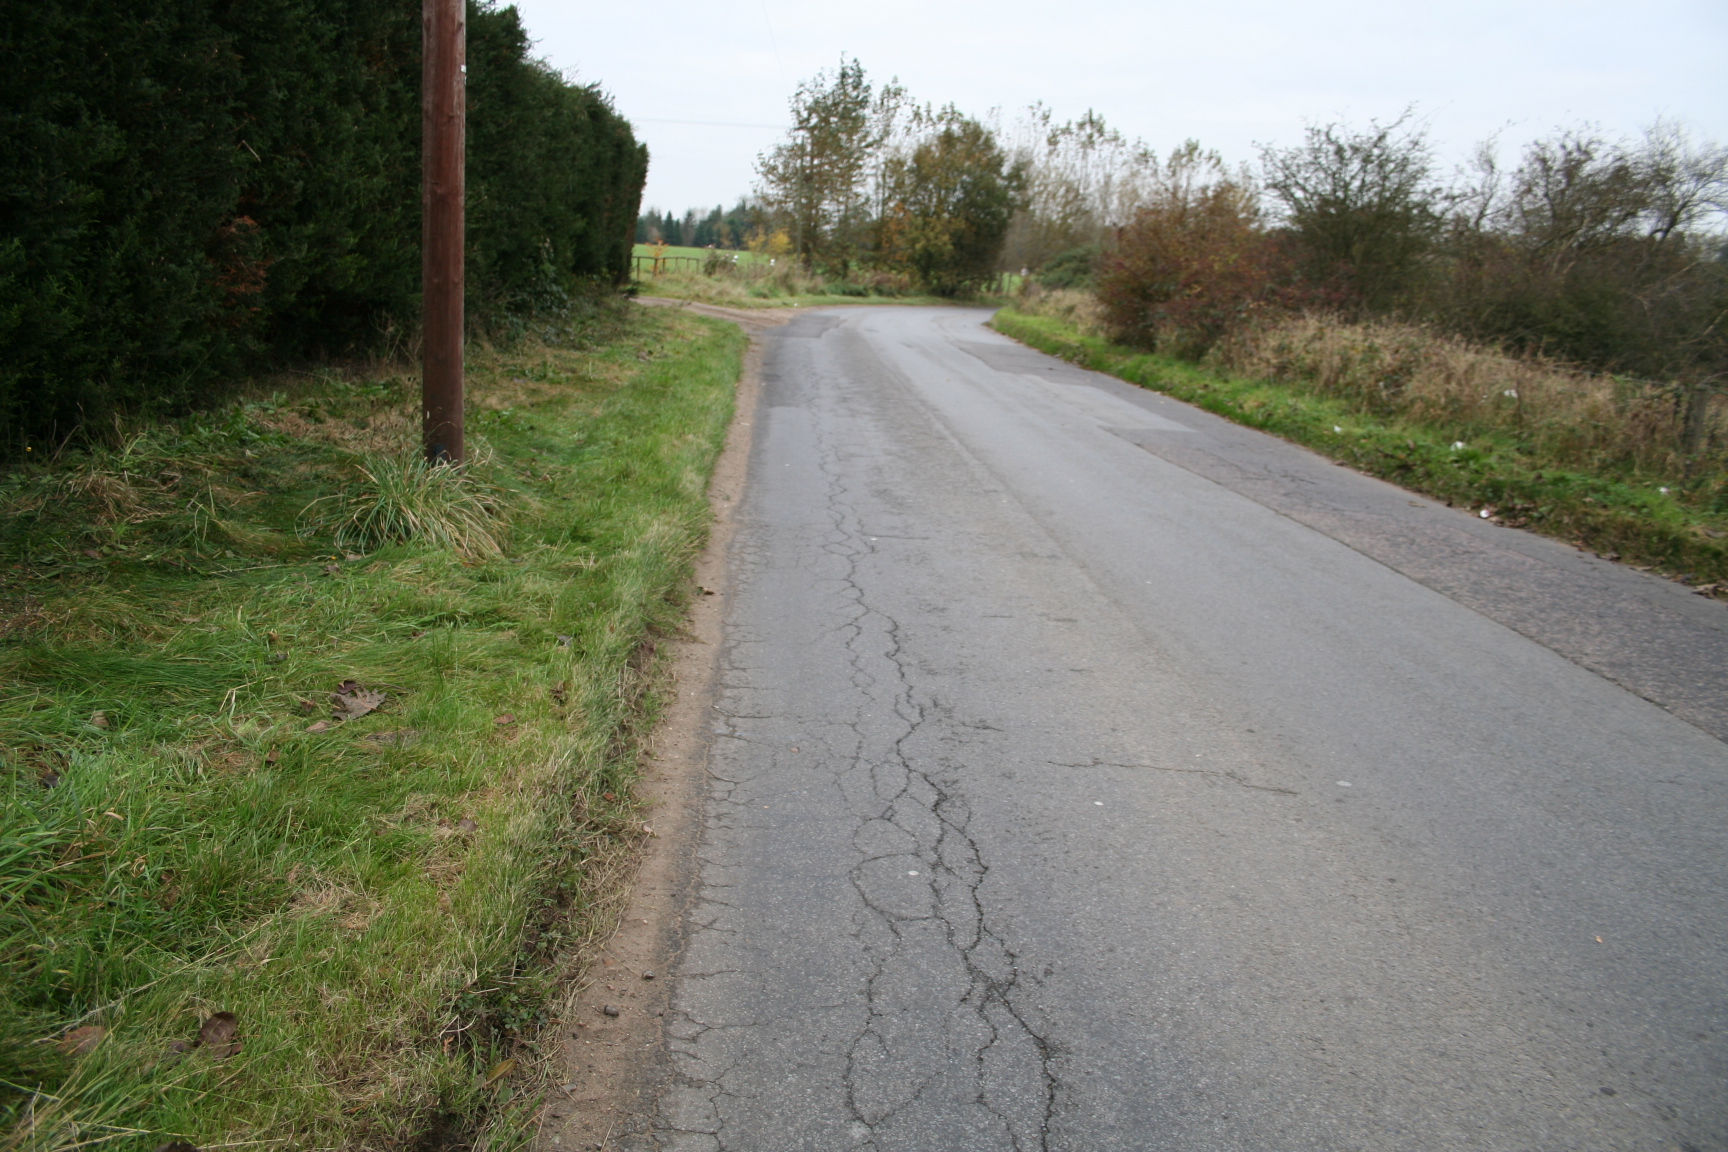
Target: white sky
(1229,72)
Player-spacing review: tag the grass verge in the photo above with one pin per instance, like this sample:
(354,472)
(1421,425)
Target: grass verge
(271,749)
(1623,517)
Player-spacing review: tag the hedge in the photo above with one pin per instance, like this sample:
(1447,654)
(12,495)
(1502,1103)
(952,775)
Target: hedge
(192,189)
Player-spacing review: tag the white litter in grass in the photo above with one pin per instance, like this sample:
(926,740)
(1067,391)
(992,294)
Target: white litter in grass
(1337,428)
(1457,445)
(1484,513)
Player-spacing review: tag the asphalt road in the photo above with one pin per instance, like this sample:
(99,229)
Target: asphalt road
(1089,774)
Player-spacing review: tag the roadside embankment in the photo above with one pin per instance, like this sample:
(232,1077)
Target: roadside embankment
(1510,474)
(306,815)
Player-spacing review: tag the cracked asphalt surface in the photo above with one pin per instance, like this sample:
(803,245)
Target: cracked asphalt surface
(1090,774)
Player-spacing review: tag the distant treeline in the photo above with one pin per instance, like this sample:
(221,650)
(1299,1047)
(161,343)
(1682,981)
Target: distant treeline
(192,189)
(718,229)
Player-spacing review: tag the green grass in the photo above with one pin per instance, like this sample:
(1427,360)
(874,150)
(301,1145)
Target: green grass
(1682,532)
(786,288)
(711,290)
(745,256)
(386,903)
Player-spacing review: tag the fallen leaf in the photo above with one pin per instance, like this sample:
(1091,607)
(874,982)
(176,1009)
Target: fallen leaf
(500,1070)
(217,1035)
(272,756)
(176,1146)
(82,1041)
(320,726)
(177,1046)
(564,641)
(273,637)
(467,825)
(418,634)
(352,556)
(332,569)
(560,692)
(99,719)
(351,705)
(49,778)
(92,553)
(608,795)
(507,718)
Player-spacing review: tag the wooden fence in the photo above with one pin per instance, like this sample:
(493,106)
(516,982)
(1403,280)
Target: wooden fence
(654,265)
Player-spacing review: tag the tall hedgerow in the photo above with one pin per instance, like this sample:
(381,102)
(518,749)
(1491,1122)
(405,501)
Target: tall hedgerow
(193,188)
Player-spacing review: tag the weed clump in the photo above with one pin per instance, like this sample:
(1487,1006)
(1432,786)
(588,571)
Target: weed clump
(408,499)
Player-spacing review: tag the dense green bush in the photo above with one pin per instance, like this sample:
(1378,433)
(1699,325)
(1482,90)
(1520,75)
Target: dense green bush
(1074,268)
(199,187)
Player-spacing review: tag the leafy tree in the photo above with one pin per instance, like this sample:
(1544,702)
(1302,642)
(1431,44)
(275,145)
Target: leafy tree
(949,200)
(817,181)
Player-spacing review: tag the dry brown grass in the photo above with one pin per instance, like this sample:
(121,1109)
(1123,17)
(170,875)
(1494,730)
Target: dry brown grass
(386,431)
(1577,418)
(1069,305)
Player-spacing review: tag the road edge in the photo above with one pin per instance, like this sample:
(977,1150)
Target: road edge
(612,1028)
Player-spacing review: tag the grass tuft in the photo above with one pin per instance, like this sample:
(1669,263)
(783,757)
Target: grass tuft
(404,499)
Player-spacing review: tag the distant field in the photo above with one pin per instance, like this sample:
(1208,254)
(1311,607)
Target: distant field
(694,253)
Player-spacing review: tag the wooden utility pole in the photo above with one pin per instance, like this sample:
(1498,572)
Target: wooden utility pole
(443,114)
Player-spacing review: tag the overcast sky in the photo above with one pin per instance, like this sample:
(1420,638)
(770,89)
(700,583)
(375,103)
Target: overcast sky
(1227,73)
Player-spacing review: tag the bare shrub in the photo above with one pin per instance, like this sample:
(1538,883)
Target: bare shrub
(1194,262)
(1362,205)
